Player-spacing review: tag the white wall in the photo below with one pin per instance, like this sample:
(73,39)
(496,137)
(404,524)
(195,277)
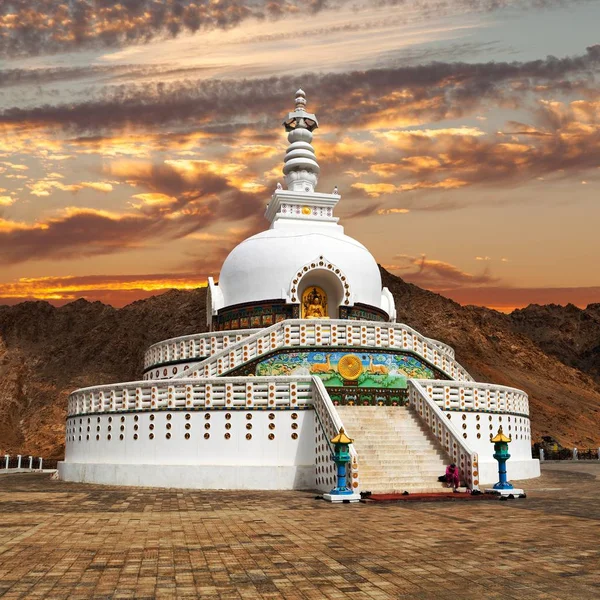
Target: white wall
(478,426)
(283,450)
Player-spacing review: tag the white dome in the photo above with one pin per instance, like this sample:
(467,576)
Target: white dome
(264,266)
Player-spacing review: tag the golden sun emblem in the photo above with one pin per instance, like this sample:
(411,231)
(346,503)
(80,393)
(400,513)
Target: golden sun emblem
(306,210)
(350,367)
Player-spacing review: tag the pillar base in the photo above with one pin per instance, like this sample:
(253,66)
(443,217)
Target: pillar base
(339,498)
(514,492)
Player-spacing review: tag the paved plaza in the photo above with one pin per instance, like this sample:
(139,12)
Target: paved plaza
(65,540)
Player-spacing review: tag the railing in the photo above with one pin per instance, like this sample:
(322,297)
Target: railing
(228,392)
(331,423)
(565,453)
(21,462)
(470,396)
(298,333)
(445,432)
(449,350)
(192,346)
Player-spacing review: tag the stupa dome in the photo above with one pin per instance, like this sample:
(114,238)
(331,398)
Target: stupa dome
(303,265)
(264,267)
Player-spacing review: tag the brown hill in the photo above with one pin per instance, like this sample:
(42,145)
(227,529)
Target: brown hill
(46,352)
(569,333)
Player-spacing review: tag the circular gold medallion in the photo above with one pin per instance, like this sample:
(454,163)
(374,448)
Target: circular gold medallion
(350,367)
(306,210)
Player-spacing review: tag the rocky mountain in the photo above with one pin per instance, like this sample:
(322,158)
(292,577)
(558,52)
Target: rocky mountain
(46,352)
(569,333)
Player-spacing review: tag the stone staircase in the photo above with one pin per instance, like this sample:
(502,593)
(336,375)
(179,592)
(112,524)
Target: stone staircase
(396,451)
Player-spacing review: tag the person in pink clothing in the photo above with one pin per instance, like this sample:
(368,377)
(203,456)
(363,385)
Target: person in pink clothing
(453,476)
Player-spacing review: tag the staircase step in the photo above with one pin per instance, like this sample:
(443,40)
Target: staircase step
(396,451)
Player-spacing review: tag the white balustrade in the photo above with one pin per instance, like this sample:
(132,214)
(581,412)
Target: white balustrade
(200,345)
(192,346)
(449,437)
(224,392)
(331,424)
(298,333)
(470,396)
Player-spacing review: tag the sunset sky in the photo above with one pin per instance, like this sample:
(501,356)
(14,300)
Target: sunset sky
(141,141)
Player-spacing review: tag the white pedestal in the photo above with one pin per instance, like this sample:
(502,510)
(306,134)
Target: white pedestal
(515,492)
(339,498)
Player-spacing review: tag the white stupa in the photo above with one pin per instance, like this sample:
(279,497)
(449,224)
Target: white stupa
(302,341)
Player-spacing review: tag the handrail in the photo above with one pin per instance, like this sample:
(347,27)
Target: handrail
(472,396)
(331,423)
(297,333)
(449,350)
(226,392)
(199,345)
(446,433)
(191,346)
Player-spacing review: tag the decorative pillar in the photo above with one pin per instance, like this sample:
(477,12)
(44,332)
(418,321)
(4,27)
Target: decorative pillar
(341,456)
(503,487)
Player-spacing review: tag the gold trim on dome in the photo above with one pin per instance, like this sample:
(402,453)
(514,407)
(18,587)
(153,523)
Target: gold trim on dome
(350,367)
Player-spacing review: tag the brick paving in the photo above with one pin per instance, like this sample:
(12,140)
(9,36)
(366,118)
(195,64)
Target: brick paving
(62,540)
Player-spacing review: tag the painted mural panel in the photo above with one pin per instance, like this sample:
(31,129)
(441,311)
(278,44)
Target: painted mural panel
(345,368)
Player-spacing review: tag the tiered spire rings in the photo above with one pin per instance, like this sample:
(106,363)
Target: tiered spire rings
(301,169)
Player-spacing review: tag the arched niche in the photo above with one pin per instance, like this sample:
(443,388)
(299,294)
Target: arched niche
(322,275)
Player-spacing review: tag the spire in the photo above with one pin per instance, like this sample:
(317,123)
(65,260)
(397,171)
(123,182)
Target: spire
(301,169)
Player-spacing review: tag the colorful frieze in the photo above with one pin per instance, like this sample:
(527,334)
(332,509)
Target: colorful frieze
(363,312)
(343,368)
(255,315)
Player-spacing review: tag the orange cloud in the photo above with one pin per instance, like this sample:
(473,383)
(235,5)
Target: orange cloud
(375,190)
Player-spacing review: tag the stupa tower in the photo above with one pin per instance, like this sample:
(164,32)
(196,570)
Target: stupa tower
(301,169)
(304,257)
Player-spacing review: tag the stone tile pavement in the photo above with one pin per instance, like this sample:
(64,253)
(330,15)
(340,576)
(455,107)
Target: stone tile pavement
(62,540)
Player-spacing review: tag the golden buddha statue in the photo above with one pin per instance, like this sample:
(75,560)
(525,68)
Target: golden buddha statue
(314,303)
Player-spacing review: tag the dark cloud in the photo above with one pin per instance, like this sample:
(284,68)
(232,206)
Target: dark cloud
(114,73)
(437,275)
(191,203)
(436,91)
(50,26)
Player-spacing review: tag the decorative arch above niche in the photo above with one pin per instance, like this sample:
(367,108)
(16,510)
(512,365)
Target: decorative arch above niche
(326,277)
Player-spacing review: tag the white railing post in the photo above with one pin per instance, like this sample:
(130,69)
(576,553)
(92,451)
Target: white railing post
(18,461)
(6,460)
(30,463)
(40,467)
(542,458)
(574,453)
